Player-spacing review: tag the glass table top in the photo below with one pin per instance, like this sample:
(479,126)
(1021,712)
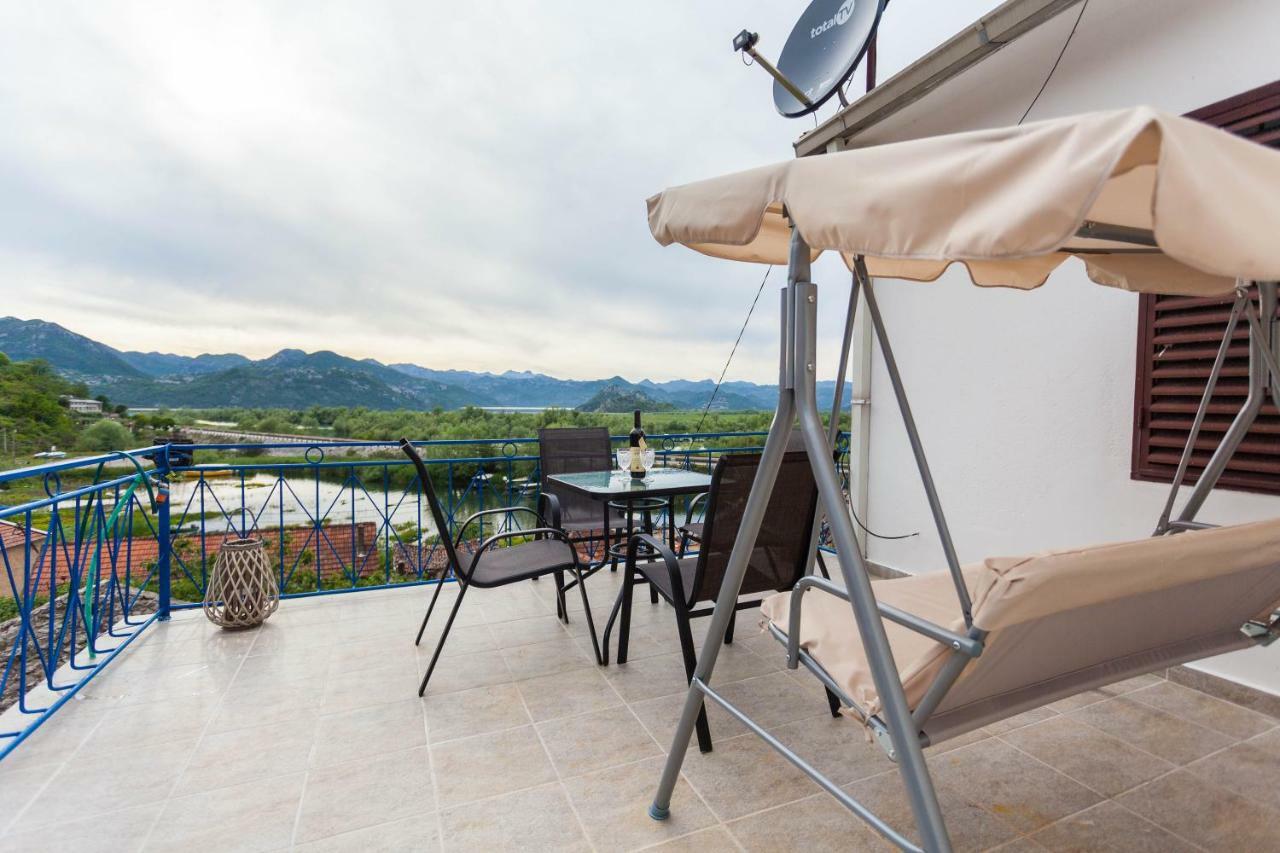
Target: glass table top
(618,483)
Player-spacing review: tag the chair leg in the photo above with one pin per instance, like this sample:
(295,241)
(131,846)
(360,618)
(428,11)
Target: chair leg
(440,645)
(624,626)
(423,627)
(822,565)
(562,609)
(690,662)
(728,634)
(833,703)
(586,609)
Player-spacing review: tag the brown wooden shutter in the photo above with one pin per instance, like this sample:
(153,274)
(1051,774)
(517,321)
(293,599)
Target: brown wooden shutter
(1178,338)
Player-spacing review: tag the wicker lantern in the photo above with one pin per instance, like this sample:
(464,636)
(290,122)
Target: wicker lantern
(242,591)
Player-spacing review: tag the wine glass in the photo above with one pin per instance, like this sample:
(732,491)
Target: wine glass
(624,458)
(647,458)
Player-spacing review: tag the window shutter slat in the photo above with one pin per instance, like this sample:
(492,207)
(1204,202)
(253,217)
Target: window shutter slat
(1178,339)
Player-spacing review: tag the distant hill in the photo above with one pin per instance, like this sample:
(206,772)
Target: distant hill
(294,379)
(168,364)
(617,398)
(72,355)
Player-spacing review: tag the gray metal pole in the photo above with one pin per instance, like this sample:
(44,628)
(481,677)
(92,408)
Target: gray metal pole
(833,425)
(752,517)
(1244,419)
(1162,526)
(895,711)
(917,447)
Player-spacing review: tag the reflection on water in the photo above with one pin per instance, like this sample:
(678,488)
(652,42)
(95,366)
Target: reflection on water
(274,502)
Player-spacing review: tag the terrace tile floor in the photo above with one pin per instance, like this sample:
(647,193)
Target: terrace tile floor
(308,734)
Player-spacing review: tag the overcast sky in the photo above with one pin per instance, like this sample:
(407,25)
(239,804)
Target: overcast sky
(458,185)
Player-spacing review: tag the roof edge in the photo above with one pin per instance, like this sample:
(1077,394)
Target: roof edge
(967,48)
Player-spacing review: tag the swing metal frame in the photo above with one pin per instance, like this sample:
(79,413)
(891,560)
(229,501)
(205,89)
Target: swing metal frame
(896,726)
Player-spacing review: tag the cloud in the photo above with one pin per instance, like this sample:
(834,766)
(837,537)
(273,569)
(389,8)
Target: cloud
(458,186)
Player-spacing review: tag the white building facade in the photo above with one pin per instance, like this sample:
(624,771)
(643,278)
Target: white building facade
(1025,401)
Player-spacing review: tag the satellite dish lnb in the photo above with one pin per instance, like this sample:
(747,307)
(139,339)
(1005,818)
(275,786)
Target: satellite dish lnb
(821,53)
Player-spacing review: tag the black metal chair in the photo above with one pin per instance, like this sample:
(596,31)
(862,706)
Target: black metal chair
(574,450)
(778,561)
(549,553)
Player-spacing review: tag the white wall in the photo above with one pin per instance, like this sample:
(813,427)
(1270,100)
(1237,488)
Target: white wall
(1025,400)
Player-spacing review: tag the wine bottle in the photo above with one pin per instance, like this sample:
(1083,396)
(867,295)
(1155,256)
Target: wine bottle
(636,442)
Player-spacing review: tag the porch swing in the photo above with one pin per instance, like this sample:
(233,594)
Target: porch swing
(1149,203)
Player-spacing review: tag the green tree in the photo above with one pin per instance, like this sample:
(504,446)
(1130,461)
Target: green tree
(105,435)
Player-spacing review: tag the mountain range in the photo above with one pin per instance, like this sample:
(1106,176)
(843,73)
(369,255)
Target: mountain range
(294,379)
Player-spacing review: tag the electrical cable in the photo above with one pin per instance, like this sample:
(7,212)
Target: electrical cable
(1061,53)
(729,360)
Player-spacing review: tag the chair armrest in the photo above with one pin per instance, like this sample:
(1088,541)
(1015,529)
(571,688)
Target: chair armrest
(550,505)
(697,499)
(971,646)
(668,558)
(462,528)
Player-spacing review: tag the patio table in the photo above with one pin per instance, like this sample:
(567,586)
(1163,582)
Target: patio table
(619,486)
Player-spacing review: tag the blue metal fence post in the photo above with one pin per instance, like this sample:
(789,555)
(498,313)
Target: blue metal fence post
(163,560)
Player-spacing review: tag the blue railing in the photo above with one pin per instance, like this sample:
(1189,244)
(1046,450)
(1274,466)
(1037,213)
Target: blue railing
(112,543)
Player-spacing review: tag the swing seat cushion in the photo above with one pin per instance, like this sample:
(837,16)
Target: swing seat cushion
(1059,622)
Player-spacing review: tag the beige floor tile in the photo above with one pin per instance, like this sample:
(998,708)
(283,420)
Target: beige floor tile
(249,817)
(614,806)
(365,793)
(1110,691)
(129,828)
(362,688)
(488,765)
(647,678)
(567,694)
(1205,710)
(510,610)
(1109,828)
(472,712)
(20,785)
(466,672)
(773,699)
(1026,718)
(374,730)
(1103,763)
(524,632)
(817,822)
(661,715)
(1025,844)
(127,727)
(744,775)
(463,640)
(546,658)
(245,707)
(1251,769)
(970,826)
(735,663)
(1203,813)
(376,653)
(713,840)
(1155,731)
(52,743)
(1010,784)
(245,755)
(836,747)
(596,740)
(417,834)
(91,781)
(531,820)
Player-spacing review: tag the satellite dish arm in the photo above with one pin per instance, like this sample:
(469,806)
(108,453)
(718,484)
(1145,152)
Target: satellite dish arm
(746,42)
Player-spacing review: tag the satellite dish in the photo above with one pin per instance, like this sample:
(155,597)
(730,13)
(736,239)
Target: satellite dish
(822,51)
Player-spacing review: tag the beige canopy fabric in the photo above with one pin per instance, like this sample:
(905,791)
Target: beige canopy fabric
(1007,203)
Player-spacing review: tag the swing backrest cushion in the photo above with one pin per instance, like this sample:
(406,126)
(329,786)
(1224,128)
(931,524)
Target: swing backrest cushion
(1061,622)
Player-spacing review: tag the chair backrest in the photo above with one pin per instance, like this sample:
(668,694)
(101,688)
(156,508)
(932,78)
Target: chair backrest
(782,548)
(437,513)
(1071,620)
(573,450)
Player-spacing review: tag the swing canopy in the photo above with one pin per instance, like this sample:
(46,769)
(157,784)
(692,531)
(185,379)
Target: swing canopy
(1011,204)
